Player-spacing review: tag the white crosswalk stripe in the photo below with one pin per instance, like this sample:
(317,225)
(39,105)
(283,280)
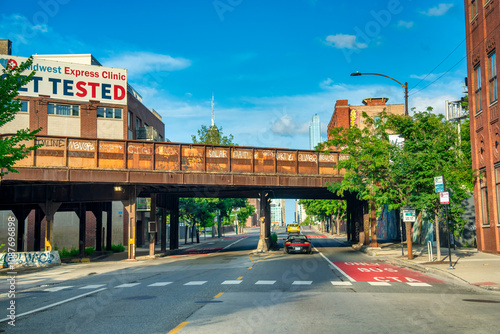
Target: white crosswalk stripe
(379,283)
(231,282)
(302,283)
(127,285)
(57,288)
(340,283)
(92,286)
(264,282)
(196,283)
(160,284)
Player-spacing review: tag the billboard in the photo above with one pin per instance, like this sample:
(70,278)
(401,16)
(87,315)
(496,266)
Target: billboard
(71,81)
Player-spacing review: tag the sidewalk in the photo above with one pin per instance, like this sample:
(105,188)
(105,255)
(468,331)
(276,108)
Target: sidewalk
(470,266)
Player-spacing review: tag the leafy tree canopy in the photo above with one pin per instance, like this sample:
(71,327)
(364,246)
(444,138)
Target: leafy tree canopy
(14,148)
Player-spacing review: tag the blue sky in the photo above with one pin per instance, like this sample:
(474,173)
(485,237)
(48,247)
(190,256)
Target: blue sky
(271,65)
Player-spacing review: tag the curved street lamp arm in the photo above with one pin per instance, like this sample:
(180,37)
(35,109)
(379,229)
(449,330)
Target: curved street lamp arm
(382,75)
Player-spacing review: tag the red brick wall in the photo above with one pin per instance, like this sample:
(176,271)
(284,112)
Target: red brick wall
(483,35)
(139,110)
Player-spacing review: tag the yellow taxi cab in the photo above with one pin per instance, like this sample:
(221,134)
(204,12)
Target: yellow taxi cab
(293,228)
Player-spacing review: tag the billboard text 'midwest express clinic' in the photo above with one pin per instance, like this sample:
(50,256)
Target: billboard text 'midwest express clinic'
(75,82)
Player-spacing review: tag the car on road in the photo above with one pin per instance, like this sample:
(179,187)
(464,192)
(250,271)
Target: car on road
(293,227)
(297,243)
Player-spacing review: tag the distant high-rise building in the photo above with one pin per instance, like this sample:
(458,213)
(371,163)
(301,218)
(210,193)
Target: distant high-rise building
(277,206)
(314,132)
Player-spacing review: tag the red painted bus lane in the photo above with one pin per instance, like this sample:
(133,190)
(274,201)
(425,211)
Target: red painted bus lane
(382,272)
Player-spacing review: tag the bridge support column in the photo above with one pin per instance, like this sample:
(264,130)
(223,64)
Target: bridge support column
(82,235)
(152,217)
(97,210)
(366,224)
(21,213)
(173,207)
(130,206)
(39,215)
(373,218)
(109,225)
(49,208)
(163,229)
(265,223)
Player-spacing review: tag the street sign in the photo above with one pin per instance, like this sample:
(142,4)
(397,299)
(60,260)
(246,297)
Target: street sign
(444,197)
(438,184)
(409,215)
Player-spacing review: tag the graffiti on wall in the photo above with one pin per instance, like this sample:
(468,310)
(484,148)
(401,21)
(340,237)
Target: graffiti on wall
(31,259)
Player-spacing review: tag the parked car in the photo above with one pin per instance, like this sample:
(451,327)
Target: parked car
(297,243)
(293,227)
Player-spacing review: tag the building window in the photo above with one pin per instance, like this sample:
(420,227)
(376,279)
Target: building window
(477,93)
(474,9)
(484,199)
(129,121)
(115,113)
(492,89)
(138,123)
(63,109)
(24,106)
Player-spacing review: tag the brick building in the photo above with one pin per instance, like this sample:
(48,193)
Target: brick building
(75,96)
(346,115)
(482,22)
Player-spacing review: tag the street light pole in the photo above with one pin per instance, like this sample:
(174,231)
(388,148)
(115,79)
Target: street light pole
(405,85)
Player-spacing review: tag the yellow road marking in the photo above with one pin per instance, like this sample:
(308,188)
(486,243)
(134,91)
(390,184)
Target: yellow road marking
(178,328)
(219,294)
(250,267)
(251,258)
(239,278)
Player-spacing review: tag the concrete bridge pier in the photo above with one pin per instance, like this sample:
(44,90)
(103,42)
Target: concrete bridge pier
(37,234)
(130,205)
(109,224)
(21,212)
(82,235)
(173,208)
(265,223)
(152,217)
(49,208)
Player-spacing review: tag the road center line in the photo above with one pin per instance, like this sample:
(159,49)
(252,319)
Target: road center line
(333,265)
(178,328)
(219,294)
(55,304)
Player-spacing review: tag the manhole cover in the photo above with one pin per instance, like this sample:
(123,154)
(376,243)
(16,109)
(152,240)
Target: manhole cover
(481,301)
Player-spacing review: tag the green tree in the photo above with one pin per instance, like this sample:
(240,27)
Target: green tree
(325,210)
(365,159)
(212,136)
(13,148)
(431,148)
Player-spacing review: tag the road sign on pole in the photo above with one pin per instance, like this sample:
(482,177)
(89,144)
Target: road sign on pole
(444,197)
(439,184)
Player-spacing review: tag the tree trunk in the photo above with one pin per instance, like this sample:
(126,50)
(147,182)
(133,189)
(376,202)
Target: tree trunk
(438,243)
(373,221)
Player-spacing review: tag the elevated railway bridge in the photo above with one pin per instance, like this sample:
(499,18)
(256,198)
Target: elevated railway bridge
(78,174)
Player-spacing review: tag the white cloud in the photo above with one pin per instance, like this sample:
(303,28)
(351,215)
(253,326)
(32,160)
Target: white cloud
(139,63)
(341,41)
(405,24)
(439,10)
(288,126)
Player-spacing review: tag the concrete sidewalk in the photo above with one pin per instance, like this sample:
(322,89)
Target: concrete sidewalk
(469,265)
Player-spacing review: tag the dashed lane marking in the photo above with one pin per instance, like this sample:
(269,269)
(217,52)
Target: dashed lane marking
(178,328)
(218,295)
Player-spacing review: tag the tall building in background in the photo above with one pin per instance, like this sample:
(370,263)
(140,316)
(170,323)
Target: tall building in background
(277,207)
(482,28)
(314,132)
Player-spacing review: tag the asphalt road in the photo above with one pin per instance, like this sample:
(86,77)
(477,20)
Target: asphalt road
(227,288)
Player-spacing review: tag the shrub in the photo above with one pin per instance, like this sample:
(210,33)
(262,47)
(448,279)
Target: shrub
(117,248)
(89,251)
(274,237)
